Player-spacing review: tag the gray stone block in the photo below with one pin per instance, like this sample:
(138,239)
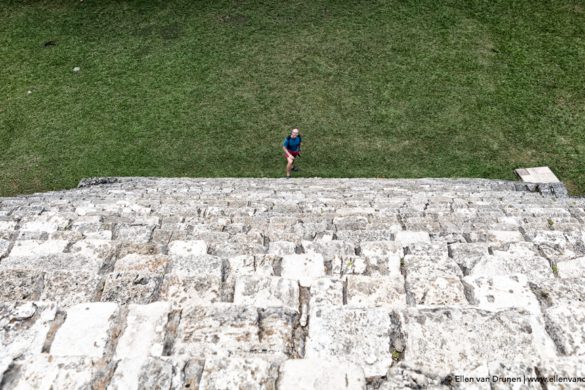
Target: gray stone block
(131,287)
(361,336)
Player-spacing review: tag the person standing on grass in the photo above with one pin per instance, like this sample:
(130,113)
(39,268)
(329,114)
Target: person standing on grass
(292,149)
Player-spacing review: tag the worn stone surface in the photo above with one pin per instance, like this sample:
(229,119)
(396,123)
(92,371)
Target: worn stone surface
(304,268)
(572,268)
(86,330)
(501,292)
(438,339)
(198,332)
(267,292)
(312,374)
(24,327)
(70,288)
(135,374)
(239,373)
(131,287)
(566,325)
(186,291)
(144,332)
(326,292)
(217,282)
(433,281)
(376,291)
(20,285)
(49,372)
(515,258)
(357,335)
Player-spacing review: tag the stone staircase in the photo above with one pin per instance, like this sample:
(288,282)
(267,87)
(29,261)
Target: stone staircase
(131,283)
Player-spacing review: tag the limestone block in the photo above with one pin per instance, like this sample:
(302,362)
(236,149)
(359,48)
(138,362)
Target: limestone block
(131,287)
(268,265)
(437,290)
(91,248)
(505,236)
(501,292)
(137,374)
(406,238)
(517,371)
(276,326)
(217,329)
(7,225)
(440,339)
(553,292)
(144,332)
(439,251)
(281,248)
(313,374)
(357,335)
(188,291)
(4,245)
(239,373)
(533,267)
(24,327)
(346,211)
(53,262)
(304,268)
(44,223)
(35,248)
(70,288)
(187,248)
(329,249)
(265,292)
(376,291)
(566,325)
(349,265)
(467,255)
(44,372)
(241,265)
(433,281)
(137,234)
(20,285)
(326,292)
(553,244)
(142,263)
(383,257)
(86,331)
(378,234)
(406,376)
(572,268)
(197,265)
(566,372)
(351,222)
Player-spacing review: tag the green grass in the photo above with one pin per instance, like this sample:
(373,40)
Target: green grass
(463,88)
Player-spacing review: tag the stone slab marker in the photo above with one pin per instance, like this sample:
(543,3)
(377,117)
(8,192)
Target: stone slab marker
(537,175)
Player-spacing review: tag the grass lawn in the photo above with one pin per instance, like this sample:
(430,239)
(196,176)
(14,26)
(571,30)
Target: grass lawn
(456,88)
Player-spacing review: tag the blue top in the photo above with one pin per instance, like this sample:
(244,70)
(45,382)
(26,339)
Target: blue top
(292,144)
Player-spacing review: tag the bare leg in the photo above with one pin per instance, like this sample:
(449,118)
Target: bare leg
(291,161)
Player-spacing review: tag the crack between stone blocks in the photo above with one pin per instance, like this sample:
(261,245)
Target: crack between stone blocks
(12,371)
(344,290)
(105,373)
(60,317)
(173,320)
(539,375)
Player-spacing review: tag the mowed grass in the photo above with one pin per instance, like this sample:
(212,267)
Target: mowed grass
(177,88)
